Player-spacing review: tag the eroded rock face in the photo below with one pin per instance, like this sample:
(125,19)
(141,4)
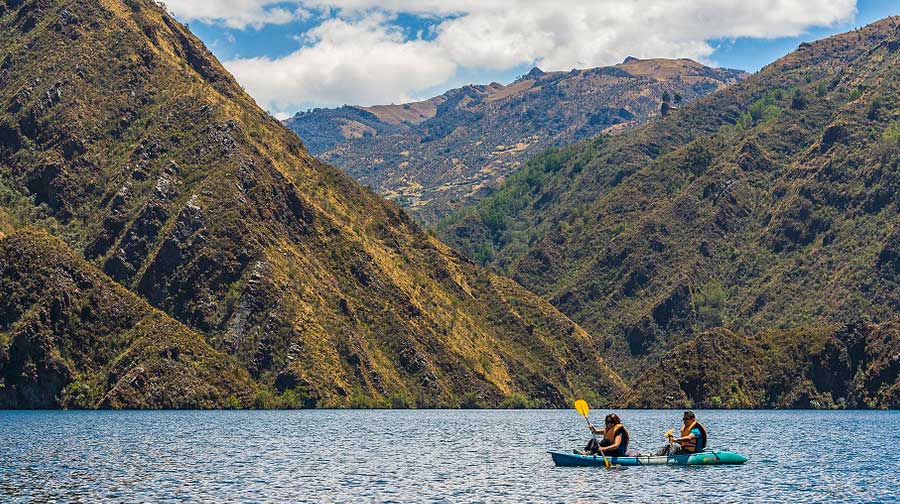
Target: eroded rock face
(142,234)
(174,249)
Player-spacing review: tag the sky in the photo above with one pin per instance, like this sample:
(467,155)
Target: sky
(292,55)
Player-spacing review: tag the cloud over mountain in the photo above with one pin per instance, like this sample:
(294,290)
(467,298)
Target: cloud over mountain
(360,53)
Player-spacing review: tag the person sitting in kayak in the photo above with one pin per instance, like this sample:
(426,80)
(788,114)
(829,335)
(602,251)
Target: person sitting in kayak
(615,438)
(693,436)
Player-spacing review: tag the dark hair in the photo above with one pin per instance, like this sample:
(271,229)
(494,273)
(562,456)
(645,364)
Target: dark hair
(690,414)
(613,418)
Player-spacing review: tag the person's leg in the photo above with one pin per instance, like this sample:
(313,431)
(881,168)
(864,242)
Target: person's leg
(668,449)
(605,442)
(683,452)
(591,447)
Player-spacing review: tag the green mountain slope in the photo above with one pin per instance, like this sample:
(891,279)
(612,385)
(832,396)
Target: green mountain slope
(122,134)
(6,223)
(438,155)
(71,337)
(855,366)
(772,203)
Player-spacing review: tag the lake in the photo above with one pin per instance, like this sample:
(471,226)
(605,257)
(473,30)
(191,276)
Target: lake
(432,456)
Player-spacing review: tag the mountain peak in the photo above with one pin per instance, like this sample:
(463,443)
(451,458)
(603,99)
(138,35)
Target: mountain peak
(534,73)
(732,210)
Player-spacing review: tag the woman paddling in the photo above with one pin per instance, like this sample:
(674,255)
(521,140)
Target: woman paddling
(614,442)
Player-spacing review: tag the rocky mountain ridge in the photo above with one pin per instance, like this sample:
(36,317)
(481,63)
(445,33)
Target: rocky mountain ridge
(447,152)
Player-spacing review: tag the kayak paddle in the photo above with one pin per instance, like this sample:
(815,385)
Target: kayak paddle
(582,408)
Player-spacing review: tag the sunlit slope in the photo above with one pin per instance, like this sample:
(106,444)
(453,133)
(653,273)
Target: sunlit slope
(123,135)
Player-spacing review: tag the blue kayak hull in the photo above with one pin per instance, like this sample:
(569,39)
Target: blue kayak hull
(702,458)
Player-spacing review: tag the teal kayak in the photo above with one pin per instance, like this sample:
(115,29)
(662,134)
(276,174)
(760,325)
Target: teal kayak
(702,458)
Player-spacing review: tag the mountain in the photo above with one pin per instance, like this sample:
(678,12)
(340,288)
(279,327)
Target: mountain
(770,204)
(853,366)
(441,154)
(121,134)
(71,337)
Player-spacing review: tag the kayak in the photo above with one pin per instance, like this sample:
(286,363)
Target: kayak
(702,458)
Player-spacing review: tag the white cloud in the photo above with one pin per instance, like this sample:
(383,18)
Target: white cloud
(359,56)
(364,61)
(238,14)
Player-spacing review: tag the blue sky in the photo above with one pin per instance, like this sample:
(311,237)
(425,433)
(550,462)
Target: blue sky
(751,54)
(293,55)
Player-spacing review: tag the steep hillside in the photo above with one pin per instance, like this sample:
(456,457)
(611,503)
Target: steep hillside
(772,203)
(70,337)
(441,154)
(855,366)
(122,134)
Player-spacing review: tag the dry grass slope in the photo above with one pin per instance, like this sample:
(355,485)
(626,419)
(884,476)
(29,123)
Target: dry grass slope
(122,134)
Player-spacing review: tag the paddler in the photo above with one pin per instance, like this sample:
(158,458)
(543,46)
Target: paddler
(614,442)
(693,436)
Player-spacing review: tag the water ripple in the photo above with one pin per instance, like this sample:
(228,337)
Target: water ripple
(430,456)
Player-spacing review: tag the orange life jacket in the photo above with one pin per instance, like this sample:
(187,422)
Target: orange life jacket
(610,435)
(690,445)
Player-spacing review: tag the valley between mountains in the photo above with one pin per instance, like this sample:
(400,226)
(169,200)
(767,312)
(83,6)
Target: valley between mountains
(653,234)
(439,155)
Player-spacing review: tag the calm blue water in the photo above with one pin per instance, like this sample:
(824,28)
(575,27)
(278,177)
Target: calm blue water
(431,456)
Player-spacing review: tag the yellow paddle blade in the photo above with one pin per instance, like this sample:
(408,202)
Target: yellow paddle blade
(582,407)
(669,432)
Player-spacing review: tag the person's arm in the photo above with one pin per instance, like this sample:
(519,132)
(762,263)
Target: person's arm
(596,430)
(684,438)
